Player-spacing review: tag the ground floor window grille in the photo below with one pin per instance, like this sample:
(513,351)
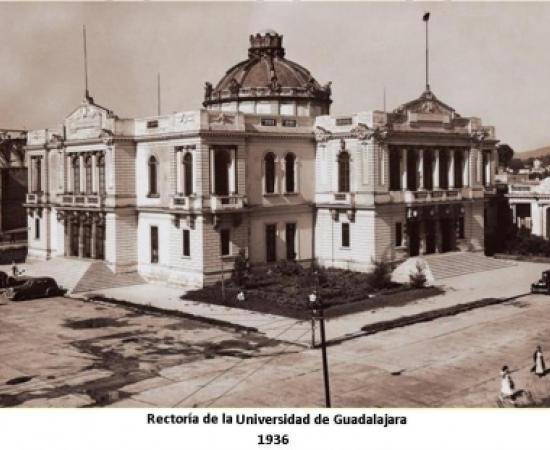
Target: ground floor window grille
(37,228)
(345,235)
(398,234)
(154,245)
(186,243)
(290,241)
(225,242)
(271,243)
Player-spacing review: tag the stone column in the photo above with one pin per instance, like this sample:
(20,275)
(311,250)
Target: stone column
(67,236)
(466,168)
(95,174)
(438,236)
(93,239)
(452,168)
(420,170)
(435,170)
(81,238)
(212,171)
(403,168)
(179,171)
(421,237)
(82,173)
(514,213)
(479,165)
(232,177)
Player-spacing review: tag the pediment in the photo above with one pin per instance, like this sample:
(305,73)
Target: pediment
(426,108)
(88,121)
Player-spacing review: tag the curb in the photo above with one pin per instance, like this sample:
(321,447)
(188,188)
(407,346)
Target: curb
(426,316)
(149,309)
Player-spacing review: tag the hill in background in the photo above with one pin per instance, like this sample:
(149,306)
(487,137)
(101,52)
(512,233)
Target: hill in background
(537,153)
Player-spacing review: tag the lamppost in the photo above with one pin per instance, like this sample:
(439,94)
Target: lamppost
(318,312)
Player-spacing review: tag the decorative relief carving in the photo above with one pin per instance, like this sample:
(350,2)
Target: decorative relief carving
(322,134)
(222,118)
(364,132)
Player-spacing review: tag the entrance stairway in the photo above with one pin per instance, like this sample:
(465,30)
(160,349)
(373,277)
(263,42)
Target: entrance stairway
(447,265)
(99,276)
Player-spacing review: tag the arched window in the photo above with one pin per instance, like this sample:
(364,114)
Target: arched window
(290,172)
(76,175)
(343,172)
(101,174)
(188,174)
(153,188)
(269,162)
(88,168)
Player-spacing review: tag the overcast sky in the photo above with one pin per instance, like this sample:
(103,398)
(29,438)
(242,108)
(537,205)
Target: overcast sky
(490,60)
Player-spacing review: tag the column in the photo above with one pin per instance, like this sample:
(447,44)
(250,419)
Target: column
(232,177)
(82,173)
(212,171)
(420,168)
(466,168)
(95,174)
(479,165)
(421,237)
(403,167)
(514,213)
(67,236)
(435,170)
(438,236)
(451,168)
(81,237)
(179,175)
(93,239)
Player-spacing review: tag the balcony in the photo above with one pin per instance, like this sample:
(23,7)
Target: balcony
(180,202)
(82,200)
(343,198)
(430,196)
(35,198)
(226,202)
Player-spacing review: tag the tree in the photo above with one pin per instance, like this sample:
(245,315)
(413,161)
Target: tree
(505,154)
(516,164)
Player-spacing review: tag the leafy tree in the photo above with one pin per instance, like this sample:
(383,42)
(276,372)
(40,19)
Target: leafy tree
(505,154)
(516,164)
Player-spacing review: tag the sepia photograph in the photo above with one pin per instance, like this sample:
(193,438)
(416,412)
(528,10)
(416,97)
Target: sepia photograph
(275,205)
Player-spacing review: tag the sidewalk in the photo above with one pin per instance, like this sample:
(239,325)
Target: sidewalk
(501,283)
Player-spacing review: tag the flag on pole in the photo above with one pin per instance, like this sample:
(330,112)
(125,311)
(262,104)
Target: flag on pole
(426,17)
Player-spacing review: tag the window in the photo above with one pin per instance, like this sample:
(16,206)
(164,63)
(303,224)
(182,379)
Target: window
(36,174)
(345,235)
(343,121)
(88,169)
(154,245)
(152,124)
(188,174)
(290,169)
(290,241)
(398,234)
(153,189)
(269,163)
(225,245)
(37,228)
(289,123)
(271,243)
(186,243)
(343,172)
(101,173)
(76,175)
(268,122)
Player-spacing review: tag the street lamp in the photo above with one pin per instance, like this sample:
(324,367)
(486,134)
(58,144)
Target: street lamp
(318,312)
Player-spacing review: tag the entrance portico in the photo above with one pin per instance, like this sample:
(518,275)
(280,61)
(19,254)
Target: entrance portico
(84,233)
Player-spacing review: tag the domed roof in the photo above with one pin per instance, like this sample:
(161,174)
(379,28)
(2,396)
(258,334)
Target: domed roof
(266,74)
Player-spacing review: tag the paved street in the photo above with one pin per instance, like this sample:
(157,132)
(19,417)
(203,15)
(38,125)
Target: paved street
(64,352)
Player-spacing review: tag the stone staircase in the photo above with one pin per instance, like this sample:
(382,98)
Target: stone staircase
(98,276)
(454,264)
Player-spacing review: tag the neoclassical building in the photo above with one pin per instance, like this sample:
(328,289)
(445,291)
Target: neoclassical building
(262,167)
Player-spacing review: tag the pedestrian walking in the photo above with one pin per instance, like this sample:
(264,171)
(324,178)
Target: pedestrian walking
(539,367)
(14,269)
(507,387)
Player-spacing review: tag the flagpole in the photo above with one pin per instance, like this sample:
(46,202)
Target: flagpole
(87,94)
(427,19)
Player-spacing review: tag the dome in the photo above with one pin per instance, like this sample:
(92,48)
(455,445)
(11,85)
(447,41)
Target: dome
(267,75)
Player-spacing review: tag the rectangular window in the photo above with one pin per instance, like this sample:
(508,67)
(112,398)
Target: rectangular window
(271,243)
(289,123)
(154,245)
(290,241)
(268,122)
(343,121)
(398,234)
(152,124)
(225,245)
(345,235)
(186,243)
(37,228)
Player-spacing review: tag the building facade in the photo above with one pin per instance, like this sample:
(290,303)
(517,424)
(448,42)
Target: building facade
(262,168)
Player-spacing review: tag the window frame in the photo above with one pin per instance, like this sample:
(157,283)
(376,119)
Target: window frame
(345,235)
(344,175)
(186,243)
(152,176)
(225,232)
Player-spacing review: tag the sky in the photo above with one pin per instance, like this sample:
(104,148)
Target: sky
(489,60)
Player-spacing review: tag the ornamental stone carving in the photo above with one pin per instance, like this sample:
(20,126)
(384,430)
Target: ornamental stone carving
(106,137)
(364,132)
(322,134)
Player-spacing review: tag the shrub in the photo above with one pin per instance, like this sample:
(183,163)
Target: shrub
(380,277)
(289,268)
(418,279)
(240,269)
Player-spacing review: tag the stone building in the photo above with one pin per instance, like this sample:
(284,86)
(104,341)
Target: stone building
(262,168)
